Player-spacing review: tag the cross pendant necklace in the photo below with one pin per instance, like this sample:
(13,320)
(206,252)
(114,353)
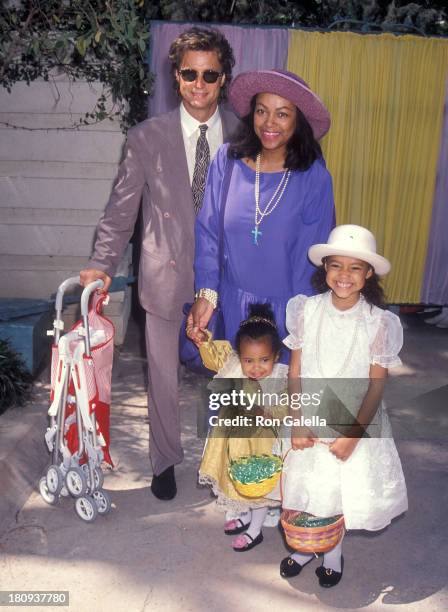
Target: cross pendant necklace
(256,232)
(273,202)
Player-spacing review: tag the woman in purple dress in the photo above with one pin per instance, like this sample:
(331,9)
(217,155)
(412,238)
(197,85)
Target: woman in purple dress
(278,202)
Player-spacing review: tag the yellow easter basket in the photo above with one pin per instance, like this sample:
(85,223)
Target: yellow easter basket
(255,475)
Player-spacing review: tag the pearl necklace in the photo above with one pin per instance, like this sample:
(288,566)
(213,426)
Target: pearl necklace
(273,202)
(323,310)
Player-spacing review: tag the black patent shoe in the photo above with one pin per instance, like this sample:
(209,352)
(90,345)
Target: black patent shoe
(163,486)
(329,578)
(290,568)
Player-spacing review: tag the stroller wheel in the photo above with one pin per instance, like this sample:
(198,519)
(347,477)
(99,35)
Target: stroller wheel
(76,482)
(55,479)
(48,497)
(102,501)
(98,477)
(86,509)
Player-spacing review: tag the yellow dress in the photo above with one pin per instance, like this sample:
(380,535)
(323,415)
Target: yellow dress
(223,444)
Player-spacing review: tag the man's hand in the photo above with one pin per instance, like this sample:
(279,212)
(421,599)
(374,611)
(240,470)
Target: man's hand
(198,319)
(89,275)
(342,448)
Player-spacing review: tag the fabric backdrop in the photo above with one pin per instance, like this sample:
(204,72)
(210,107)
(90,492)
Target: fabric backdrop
(253,47)
(386,97)
(435,281)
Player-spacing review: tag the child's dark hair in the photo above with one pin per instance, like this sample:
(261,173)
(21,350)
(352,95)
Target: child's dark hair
(372,290)
(259,324)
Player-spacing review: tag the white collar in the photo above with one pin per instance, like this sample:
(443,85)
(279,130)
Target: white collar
(335,312)
(190,124)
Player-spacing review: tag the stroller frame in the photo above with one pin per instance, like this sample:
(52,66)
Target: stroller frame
(77,473)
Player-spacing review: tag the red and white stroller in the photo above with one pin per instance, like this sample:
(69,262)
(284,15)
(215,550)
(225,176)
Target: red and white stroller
(78,435)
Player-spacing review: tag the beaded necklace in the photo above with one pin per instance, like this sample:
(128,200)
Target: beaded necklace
(323,310)
(273,202)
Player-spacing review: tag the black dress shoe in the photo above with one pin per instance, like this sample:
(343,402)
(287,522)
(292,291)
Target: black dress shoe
(290,568)
(163,486)
(251,544)
(329,578)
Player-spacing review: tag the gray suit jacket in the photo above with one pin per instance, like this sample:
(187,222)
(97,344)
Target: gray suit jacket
(154,171)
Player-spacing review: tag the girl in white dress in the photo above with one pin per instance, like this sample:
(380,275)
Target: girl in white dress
(253,366)
(343,334)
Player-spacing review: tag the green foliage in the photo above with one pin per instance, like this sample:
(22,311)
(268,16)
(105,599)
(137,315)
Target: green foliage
(93,40)
(15,381)
(360,15)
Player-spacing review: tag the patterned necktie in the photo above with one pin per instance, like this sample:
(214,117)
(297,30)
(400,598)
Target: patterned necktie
(201,163)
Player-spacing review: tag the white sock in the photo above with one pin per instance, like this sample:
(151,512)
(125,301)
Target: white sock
(246,517)
(301,558)
(332,558)
(258,516)
(231,515)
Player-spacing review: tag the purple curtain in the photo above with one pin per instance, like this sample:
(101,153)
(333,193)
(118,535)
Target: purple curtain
(253,47)
(435,282)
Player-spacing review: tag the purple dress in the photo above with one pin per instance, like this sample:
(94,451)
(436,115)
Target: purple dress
(275,269)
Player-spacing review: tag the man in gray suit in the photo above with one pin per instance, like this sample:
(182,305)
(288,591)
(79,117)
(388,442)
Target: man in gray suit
(164,166)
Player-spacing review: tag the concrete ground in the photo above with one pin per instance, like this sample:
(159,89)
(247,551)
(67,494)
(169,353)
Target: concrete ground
(153,555)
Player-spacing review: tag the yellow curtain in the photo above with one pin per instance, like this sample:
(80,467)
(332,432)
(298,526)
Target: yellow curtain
(386,95)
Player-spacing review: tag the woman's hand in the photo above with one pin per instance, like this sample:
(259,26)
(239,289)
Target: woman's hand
(342,448)
(198,319)
(301,438)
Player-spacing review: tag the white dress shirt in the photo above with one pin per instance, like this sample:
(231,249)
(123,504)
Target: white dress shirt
(190,133)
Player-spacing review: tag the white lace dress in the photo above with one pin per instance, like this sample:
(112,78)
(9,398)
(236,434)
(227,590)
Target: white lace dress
(369,487)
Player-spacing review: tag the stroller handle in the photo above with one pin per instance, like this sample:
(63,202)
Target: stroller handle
(74,281)
(85,296)
(69,282)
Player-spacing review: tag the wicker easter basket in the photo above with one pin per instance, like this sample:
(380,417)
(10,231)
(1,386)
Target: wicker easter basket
(311,534)
(255,475)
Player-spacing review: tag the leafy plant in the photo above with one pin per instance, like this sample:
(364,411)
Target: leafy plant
(93,40)
(422,17)
(15,380)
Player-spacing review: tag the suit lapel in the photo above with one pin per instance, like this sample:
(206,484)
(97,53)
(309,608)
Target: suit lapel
(176,142)
(178,169)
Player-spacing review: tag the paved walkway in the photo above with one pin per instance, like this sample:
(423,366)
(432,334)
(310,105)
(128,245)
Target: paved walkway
(173,556)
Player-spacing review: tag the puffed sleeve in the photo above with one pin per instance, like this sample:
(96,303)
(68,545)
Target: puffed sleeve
(206,261)
(388,341)
(295,310)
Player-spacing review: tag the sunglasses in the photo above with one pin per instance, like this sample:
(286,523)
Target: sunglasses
(189,75)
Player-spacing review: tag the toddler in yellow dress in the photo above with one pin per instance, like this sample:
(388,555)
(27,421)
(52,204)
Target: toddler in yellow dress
(255,370)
